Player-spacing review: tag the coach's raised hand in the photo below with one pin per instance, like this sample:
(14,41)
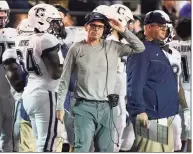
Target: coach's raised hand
(115,24)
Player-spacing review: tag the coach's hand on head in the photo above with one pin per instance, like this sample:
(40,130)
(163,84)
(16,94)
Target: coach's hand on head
(60,115)
(116,25)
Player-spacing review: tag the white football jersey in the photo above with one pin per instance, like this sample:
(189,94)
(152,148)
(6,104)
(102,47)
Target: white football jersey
(120,86)
(21,45)
(184,47)
(121,65)
(7,40)
(38,76)
(73,34)
(175,61)
(70,36)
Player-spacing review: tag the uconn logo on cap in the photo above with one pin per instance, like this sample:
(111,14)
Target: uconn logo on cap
(97,16)
(40,12)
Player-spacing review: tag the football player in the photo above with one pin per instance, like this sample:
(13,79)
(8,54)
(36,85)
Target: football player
(25,135)
(174,58)
(125,141)
(7,36)
(183,30)
(42,63)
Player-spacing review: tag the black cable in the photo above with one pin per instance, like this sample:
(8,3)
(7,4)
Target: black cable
(111,116)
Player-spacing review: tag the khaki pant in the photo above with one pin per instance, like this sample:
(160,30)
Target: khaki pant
(144,145)
(28,141)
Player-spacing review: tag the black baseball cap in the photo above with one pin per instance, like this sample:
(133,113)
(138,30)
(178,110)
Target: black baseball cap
(95,16)
(155,17)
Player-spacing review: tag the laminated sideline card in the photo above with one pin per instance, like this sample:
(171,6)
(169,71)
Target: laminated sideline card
(157,130)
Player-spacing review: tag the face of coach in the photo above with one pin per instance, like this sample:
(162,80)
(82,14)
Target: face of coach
(98,26)
(95,30)
(155,27)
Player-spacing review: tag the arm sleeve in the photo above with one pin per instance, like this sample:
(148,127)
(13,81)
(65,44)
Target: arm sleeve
(137,67)
(68,67)
(134,46)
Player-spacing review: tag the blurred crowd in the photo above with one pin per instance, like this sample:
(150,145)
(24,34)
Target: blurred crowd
(173,8)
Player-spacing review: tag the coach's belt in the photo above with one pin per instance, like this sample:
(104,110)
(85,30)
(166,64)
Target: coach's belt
(88,100)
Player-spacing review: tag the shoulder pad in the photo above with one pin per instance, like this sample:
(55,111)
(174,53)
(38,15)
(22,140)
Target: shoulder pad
(112,37)
(80,35)
(48,41)
(9,53)
(9,34)
(42,42)
(175,52)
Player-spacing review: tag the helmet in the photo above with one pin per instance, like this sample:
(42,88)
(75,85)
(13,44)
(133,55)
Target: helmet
(46,18)
(24,27)
(105,10)
(123,13)
(4,19)
(95,16)
(101,9)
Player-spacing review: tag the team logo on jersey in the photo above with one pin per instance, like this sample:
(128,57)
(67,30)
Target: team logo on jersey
(40,12)
(176,69)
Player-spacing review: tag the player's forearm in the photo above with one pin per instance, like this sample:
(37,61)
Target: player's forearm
(17,83)
(14,75)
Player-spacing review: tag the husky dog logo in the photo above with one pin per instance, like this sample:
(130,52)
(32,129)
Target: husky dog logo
(40,12)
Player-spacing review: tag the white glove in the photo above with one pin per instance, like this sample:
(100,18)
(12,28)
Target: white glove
(187,122)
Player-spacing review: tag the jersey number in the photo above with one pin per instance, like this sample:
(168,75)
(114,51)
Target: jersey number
(31,63)
(20,57)
(3,47)
(185,70)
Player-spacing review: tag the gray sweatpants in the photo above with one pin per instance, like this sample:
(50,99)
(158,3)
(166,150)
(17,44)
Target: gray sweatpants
(6,123)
